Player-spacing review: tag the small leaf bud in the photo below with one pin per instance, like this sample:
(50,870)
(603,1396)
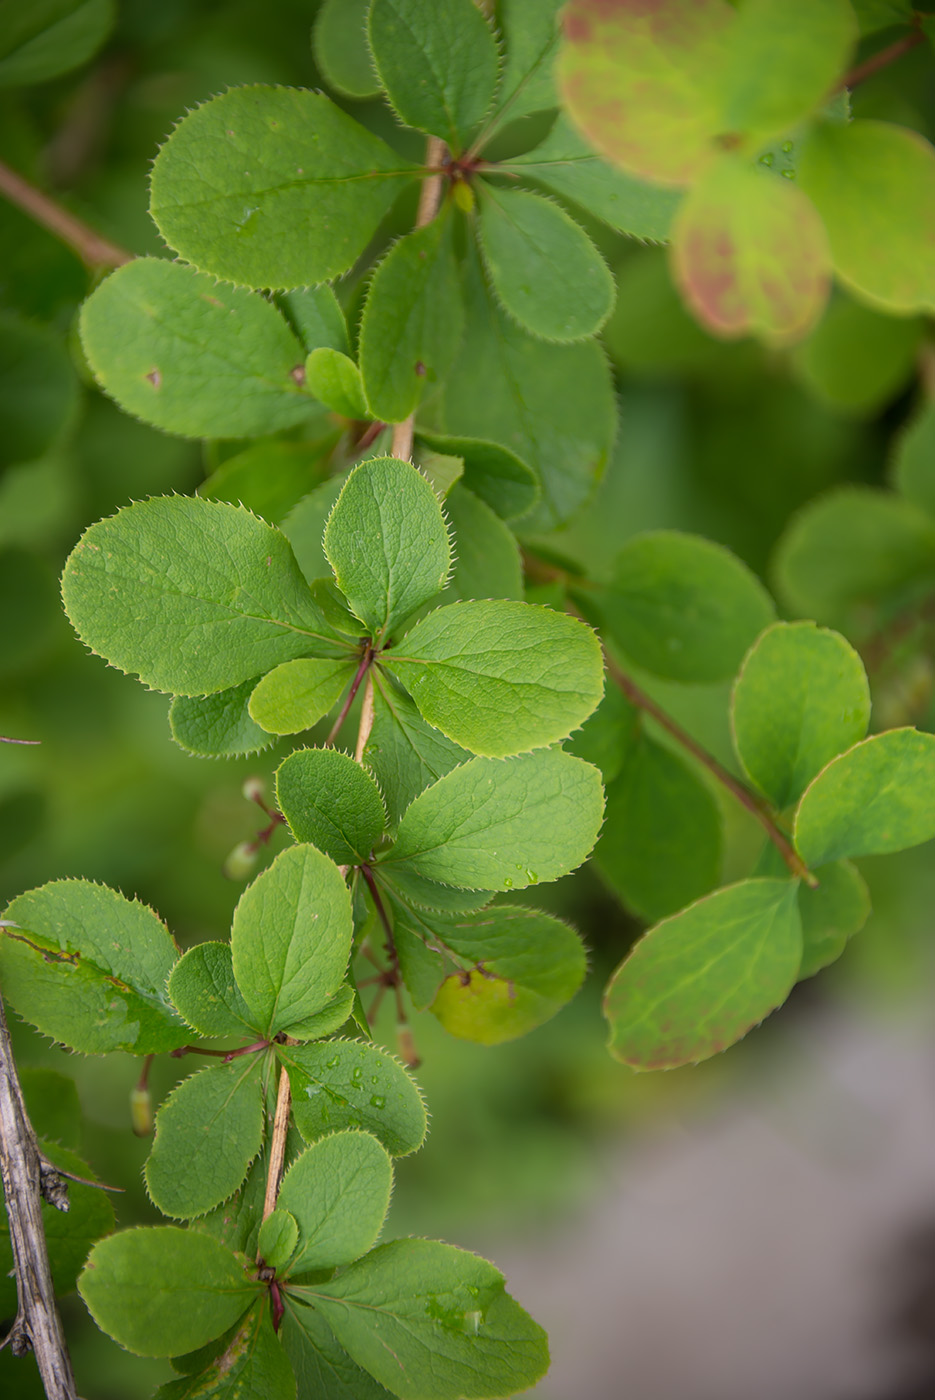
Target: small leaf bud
(141,1111)
(241,861)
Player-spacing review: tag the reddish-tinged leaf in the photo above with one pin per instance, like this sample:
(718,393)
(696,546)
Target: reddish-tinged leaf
(750,254)
(641,78)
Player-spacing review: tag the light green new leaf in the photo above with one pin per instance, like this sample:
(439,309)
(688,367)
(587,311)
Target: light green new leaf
(645,83)
(193,596)
(316,315)
(876,798)
(291,938)
(387,542)
(857,174)
(297,694)
(500,676)
(273,187)
(543,267)
(251,1365)
(332,802)
(681,606)
(432,1322)
(858,359)
(750,254)
(405,754)
(203,989)
(339,42)
(40,41)
(335,379)
(279,1235)
(89,967)
(850,548)
(785,57)
(163,1291)
(697,982)
(339,1192)
(553,406)
(413,321)
(271,476)
(496,475)
(192,356)
(322,1367)
(487,557)
(219,725)
(523,967)
(38,389)
(208,1132)
(831,914)
(801,698)
(661,844)
(504,824)
(914,461)
(339,1084)
(531,33)
(567,165)
(437,62)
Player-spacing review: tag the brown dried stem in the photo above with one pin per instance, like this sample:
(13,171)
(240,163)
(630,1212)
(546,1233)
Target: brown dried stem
(93,249)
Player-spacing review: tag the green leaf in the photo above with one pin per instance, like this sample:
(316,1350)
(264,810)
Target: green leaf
(914,461)
(531,33)
(405,754)
(321,1365)
(546,272)
(341,1084)
(335,379)
(500,676)
(251,1366)
(876,798)
(208,1132)
(750,254)
(607,737)
(487,557)
(69,1234)
(857,359)
(53,1105)
(496,475)
(413,321)
(316,315)
(339,1192)
(38,389)
(164,1291)
(661,844)
(551,405)
(567,165)
(273,187)
(698,981)
(89,967)
(494,824)
(279,1235)
(387,542)
(40,41)
(427,895)
(786,56)
(206,995)
(305,525)
(339,41)
(873,15)
(646,85)
(187,354)
(193,596)
(850,548)
(291,938)
(831,914)
(857,174)
(330,1018)
(271,477)
(332,802)
(801,698)
(437,62)
(524,967)
(297,694)
(681,606)
(219,725)
(421,963)
(433,1322)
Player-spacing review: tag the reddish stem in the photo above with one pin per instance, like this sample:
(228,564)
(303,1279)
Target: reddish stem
(365,663)
(884,58)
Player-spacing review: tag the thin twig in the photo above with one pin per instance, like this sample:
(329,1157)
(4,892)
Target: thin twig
(734,786)
(277,1147)
(362,670)
(366,721)
(884,58)
(5,739)
(92,248)
(429,199)
(38,1326)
